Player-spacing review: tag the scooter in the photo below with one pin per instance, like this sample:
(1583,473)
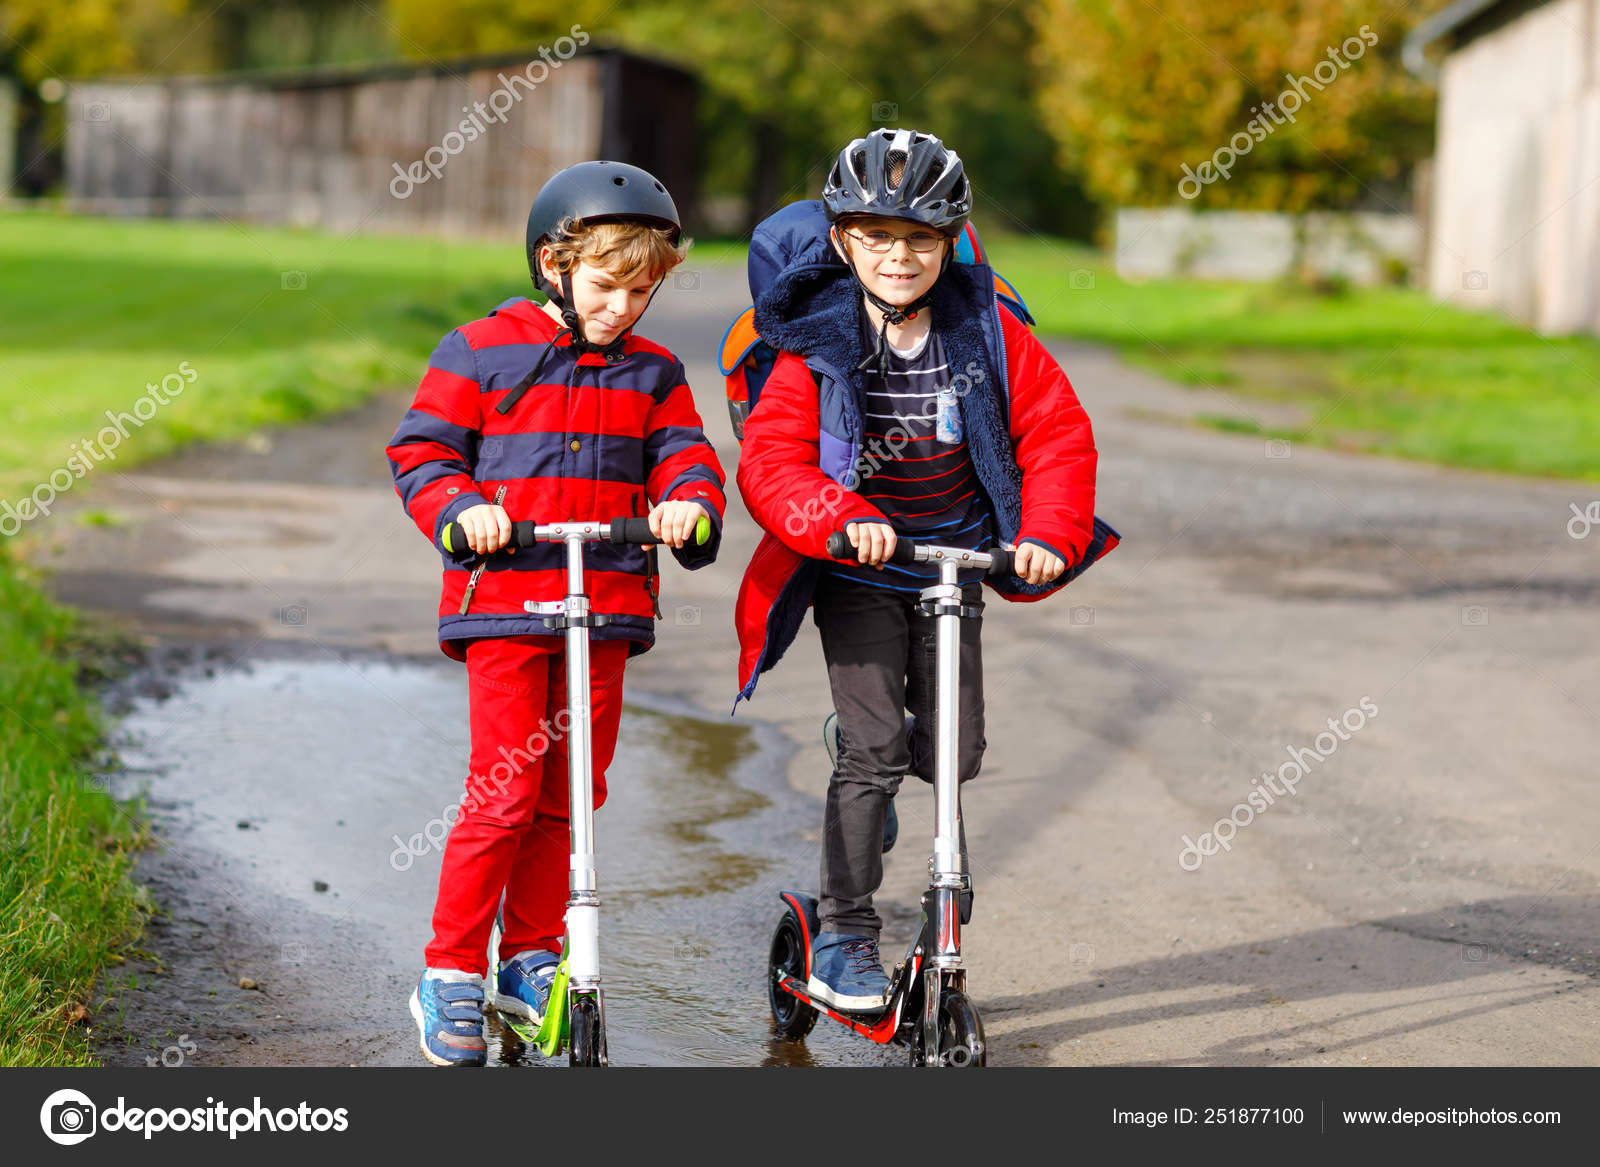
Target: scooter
(575,1016)
(928,1010)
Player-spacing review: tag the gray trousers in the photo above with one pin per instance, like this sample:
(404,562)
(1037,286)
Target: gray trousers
(881,652)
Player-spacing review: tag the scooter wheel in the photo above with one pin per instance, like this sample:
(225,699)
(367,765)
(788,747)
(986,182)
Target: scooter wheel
(585,1035)
(791,1017)
(960,1036)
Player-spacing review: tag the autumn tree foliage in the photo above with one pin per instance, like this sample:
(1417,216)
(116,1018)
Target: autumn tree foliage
(1272,104)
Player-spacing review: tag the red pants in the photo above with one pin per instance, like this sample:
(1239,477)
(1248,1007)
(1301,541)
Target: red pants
(511,834)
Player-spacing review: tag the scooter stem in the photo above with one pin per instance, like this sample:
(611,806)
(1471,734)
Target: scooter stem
(947,808)
(583,906)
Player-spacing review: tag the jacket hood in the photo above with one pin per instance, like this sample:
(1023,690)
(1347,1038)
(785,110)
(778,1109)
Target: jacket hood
(814,309)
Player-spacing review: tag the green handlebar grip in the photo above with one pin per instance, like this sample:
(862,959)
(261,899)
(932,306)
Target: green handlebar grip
(702,531)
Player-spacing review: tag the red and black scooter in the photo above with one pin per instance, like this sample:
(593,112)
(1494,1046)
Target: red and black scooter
(928,1010)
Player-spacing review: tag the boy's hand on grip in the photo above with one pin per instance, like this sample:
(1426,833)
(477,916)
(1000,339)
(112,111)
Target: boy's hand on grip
(1036,565)
(874,542)
(487,527)
(674,522)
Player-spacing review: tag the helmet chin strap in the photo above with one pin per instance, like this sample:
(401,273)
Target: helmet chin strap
(878,359)
(612,352)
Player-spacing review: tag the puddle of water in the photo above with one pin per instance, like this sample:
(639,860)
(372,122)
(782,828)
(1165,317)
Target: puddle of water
(299,773)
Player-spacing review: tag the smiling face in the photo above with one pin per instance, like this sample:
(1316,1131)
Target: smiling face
(901,274)
(607,304)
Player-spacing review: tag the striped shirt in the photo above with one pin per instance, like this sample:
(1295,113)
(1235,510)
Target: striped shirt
(926,486)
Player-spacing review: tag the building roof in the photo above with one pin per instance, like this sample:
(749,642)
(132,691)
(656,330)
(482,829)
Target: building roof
(321,76)
(1461,20)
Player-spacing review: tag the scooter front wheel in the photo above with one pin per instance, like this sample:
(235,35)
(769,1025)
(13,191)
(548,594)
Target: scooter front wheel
(586,1039)
(791,1017)
(960,1036)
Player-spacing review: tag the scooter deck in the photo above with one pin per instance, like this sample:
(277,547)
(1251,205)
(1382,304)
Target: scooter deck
(880,1026)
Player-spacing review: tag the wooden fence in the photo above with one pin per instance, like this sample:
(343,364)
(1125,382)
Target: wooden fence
(453,148)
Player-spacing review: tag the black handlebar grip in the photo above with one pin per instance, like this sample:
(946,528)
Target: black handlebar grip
(522,533)
(1000,562)
(632,530)
(905,551)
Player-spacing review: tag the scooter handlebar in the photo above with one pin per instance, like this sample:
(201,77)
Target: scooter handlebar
(906,552)
(525,533)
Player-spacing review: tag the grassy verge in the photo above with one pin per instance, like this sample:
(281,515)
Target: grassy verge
(67,907)
(1382,370)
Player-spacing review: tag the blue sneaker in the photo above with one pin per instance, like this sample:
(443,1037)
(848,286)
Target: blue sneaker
(447,1006)
(830,738)
(523,985)
(847,973)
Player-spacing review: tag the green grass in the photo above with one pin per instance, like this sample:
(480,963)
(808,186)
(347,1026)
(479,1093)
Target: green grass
(67,907)
(1383,370)
(104,307)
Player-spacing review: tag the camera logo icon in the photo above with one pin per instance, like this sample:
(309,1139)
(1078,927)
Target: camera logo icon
(1474,953)
(1475,281)
(686,281)
(1278,448)
(97,111)
(1081,616)
(687,615)
(1080,279)
(885,111)
(293,281)
(292,616)
(68,1117)
(1475,615)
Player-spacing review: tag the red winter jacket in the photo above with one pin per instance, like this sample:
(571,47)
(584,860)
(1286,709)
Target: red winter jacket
(589,441)
(1030,440)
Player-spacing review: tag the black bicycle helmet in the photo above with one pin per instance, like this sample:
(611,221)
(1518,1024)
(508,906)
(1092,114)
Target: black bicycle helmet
(900,174)
(589,192)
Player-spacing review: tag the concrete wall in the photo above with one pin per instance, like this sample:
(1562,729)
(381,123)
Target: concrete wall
(1516,184)
(1162,242)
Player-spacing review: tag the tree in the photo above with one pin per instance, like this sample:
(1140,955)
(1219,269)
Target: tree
(1307,106)
(786,83)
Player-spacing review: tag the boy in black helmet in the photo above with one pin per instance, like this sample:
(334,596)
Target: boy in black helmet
(904,404)
(555,413)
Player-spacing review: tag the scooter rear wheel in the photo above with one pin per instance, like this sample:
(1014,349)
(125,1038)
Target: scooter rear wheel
(585,1038)
(960,1036)
(791,1017)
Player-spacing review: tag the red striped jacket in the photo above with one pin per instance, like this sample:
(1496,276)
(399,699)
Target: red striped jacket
(590,441)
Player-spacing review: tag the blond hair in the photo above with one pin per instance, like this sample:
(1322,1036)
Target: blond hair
(625,250)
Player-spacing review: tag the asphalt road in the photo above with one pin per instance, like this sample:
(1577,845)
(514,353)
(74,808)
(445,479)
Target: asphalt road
(1418,887)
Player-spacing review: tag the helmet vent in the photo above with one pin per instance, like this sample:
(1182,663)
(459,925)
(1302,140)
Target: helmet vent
(620,181)
(858,163)
(895,164)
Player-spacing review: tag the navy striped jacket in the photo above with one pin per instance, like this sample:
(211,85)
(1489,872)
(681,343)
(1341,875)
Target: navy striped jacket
(589,441)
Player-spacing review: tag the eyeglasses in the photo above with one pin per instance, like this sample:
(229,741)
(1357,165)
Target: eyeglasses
(878,242)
